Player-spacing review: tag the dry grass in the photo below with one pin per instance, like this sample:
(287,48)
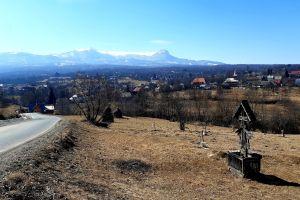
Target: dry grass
(131,160)
(132,81)
(9,112)
(179,168)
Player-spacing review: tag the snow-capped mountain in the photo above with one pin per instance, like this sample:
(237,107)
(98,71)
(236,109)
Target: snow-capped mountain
(95,57)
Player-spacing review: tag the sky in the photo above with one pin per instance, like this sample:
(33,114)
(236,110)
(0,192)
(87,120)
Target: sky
(230,31)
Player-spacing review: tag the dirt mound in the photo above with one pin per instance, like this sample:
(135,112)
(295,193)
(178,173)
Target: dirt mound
(67,142)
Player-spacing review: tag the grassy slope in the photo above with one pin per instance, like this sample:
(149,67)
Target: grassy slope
(131,160)
(9,112)
(180,169)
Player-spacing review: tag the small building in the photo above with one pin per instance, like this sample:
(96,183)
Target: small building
(49,109)
(37,108)
(77,98)
(270,77)
(231,82)
(278,77)
(268,84)
(295,73)
(41,108)
(198,81)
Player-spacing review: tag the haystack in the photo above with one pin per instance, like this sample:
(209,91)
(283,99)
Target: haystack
(118,113)
(107,115)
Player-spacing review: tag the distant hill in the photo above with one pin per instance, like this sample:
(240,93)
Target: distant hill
(95,57)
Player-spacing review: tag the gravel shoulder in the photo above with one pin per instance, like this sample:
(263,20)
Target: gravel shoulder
(13,158)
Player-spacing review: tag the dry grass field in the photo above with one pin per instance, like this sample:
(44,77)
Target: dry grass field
(134,161)
(9,112)
(133,81)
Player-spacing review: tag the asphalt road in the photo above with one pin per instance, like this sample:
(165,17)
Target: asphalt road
(16,134)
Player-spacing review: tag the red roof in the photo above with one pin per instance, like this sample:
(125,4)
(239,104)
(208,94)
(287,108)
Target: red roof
(198,81)
(295,72)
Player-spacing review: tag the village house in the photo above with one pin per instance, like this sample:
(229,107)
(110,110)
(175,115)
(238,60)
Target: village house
(49,109)
(230,82)
(293,79)
(199,82)
(294,74)
(253,81)
(41,108)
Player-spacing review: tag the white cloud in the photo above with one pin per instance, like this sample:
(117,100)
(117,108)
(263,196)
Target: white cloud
(161,42)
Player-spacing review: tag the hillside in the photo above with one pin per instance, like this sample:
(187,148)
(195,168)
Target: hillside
(131,160)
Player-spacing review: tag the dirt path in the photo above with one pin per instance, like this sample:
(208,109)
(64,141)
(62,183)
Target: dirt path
(130,160)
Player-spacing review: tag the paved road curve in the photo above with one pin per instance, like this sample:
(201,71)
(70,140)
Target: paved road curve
(16,134)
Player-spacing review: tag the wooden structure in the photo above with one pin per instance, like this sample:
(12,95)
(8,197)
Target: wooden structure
(244,163)
(38,108)
(41,108)
(246,117)
(244,166)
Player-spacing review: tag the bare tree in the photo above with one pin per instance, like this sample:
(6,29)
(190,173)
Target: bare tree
(202,107)
(178,109)
(91,96)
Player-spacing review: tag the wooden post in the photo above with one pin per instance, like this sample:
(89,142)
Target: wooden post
(282,133)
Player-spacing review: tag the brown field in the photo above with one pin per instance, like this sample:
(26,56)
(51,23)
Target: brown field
(9,112)
(133,81)
(173,166)
(132,160)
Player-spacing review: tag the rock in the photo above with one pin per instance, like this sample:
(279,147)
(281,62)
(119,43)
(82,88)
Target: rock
(204,145)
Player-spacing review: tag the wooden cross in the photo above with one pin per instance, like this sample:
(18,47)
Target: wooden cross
(246,116)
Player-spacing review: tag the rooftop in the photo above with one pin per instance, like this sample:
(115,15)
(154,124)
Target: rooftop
(199,80)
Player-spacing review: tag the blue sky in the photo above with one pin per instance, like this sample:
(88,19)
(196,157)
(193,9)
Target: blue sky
(232,31)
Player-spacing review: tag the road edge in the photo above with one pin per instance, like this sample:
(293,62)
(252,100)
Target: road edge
(13,157)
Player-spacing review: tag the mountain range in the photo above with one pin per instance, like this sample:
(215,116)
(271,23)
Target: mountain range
(95,57)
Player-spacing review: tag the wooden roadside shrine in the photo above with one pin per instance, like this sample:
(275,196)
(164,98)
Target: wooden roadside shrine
(243,162)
